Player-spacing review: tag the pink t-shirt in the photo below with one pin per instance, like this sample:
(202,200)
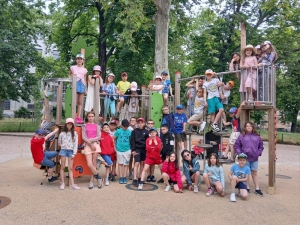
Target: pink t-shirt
(91,130)
(80,73)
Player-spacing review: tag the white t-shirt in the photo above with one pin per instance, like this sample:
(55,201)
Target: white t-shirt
(212,88)
(226,93)
(198,105)
(158,86)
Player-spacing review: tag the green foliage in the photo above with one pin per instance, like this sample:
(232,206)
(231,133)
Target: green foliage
(1,113)
(22,112)
(81,44)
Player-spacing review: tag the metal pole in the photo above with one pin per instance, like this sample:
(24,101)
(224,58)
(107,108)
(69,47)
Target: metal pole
(143,101)
(74,96)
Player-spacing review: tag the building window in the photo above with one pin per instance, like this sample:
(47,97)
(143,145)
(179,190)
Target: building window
(30,106)
(6,105)
(55,54)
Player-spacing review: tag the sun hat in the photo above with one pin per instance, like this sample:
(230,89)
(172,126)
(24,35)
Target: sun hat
(249,46)
(40,131)
(79,56)
(233,110)
(209,71)
(164,72)
(158,77)
(111,74)
(231,82)
(140,119)
(97,68)
(70,120)
(133,86)
(179,106)
(242,155)
(125,123)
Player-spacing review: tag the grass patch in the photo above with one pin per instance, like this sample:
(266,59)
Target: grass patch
(18,125)
(283,137)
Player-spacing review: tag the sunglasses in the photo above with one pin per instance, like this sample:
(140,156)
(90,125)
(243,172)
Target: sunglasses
(150,123)
(186,155)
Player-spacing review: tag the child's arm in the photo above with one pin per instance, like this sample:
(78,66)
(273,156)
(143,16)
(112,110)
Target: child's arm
(238,145)
(158,87)
(51,134)
(132,141)
(260,146)
(204,96)
(184,125)
(190,84)
(100,81)
(186,173)
(222,177)
(75,146)
(243,179)
(240,109)
(59,140)
(84,136)
(91,79)
(164,167)
(196,166)
(171,90)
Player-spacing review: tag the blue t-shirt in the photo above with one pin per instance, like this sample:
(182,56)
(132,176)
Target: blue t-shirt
(110,89)
(123,140)
(169,120)
(166,84)
(240,172)
(179,120)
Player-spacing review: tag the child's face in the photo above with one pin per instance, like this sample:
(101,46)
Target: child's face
(187,156)
(132,122)
(124,128)
(165,110)
(248,52)
(164,76)
(141,124)
(157,81)
(79,61)
(69,126)
(112,127)
(213,160)
(231,115)
(228,86)
(200,93)
(265,47)
(249,128)
(236,57)
(172,158)
(105,128)
(258,50)
(150,124)
(200,82)
(97,72)
(242,162)
(91,118)
(110,79)
(164,130)
(208,77)
(124,77)
(153,133)
(179,111)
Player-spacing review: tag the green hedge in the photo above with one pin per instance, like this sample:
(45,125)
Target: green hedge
(18,126)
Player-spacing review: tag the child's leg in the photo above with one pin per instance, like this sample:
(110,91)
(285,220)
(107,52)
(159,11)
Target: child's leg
(152,168)
(146,167)
(232,152)
(224,121)
(233,182)
(106,107)
(212,117)
(225,154)
(120,104)
(142,165)
(135,170)
(79,103)
(89,161)
(196,177)
(121,169)
(183,179)
(70,169)
(219,188)
(130,164)
(112,108)
(221,110)
(165,98)
(244,193)
(62,168)
(207,180)
(255,179)
(249,93)
(166,178)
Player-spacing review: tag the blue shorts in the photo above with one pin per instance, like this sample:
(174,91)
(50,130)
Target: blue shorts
(252,165)
(214,105)
(241,185)
(66,153)
(80,88)
(47,159)
(107,159)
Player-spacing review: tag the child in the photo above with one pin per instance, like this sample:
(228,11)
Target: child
(250,143)
(258,52)
(167,87)
(213,176)
(224,95)
(132,100)
(138,149)
(112,130)
(153,147)
(80,73)
(191,170)
(41,156)
(122,86)
(211,87)
(171,173)
(239,175)
(68,142)
(107,149)
(122,138)
(90,92)
(157,86)
(248,68)
(167,119)
(151,177)
(190,94)
(196,119)
(109,90)
(91,135)
(180,120)
(132,126)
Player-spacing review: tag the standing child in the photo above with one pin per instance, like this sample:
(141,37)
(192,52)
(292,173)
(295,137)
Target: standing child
(239,175)
(191,170)
(68,142)
(248,67)
(151,177)
(167,86)
(171,173)
(250,143)
(157,86)
(138,149)
(112,130)
(122,86)
(80,72)
(211,87)
(153,147)
(180,120)
(213,176)
(122,137)
(96,74)
(235,62)
(109,90)
(91,135)
(193,85)
(167,119)
(107,149)
(224,95)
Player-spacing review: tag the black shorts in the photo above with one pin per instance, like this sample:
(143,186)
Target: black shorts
(172,182)
(241,185)
(140,155)
(180,137)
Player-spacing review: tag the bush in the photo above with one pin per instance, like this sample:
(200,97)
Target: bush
(1,113)
(22,112)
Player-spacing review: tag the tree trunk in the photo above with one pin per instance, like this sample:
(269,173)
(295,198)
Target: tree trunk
(294,123)
(161,35)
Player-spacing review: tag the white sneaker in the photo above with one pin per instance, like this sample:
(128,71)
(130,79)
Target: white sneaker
(202,126)
(232,197)
(140,187)
(91,185)
(215,127)
(196,189)
(74,187)
(106,182)
(168,188)
(62,186)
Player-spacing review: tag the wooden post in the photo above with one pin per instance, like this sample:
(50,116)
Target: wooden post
(74,79)
(59,102)
(244,116)
(271,127)
(177,88)
(243,35)
(143,105)
(96,100)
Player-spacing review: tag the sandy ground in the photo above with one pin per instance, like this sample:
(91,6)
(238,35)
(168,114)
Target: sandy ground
(32,203)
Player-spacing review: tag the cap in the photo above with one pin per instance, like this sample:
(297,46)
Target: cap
(124,74)
(79,56)
(111,74)
(40,131)
(209,71)
(105,124)
(113,122)
(125,123)
(266,43)
(97,68)
(233,110)
(249,46)
(70,120)
(133,86)
(140,119)
(158,77)
(257,46)
(231,82)
(164,72)
(152,129)
(242,155)
(179,106)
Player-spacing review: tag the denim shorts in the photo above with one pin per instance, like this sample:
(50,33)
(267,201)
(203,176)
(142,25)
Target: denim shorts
(107,159)
(80,88)
(66,153)
(252,165)
(47,159)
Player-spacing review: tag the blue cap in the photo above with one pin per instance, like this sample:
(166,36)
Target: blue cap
(179,106)
(232,110)
(164,72)
(40,132)
(79,56)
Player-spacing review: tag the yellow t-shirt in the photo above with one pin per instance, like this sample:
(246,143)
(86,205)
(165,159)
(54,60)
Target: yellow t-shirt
(123,86)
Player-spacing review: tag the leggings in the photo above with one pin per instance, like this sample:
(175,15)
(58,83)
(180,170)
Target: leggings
(109,104)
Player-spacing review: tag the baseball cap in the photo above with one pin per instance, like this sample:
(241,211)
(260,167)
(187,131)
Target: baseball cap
(179,106)
(124,74)
(257,46)
(133,86)
(40,131)
(233,110)
(97,68)
(242,155)
(113,122)
(104,124)
(164,72)
(70,120)
(231,83)
(111,74)
(125,123)
(140,119)
(209,71)
(79,56)
(158,77)
(152,129)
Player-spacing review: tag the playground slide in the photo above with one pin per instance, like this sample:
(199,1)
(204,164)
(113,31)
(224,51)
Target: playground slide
(156,105)
(68,102)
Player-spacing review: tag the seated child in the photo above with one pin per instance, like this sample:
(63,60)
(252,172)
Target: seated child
(167,86)
(122,86)
(157,86)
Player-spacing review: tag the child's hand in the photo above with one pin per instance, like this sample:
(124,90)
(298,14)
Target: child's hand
(180,191)
(205,103)
(209,174)
(133,153)
(190,167)
(167,159)
(190,188)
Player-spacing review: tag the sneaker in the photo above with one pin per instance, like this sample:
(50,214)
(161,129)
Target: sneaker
(140,187)
(209,192)
(248,190)
(121,180)
(168,188)
(139,180)
(124,180)
(172,186)
(232,197)
(130,176)
(224,128)
(196,189)
(135,183)
(74,187)
(91,185)
(202,126)
(223,157)
(112,178)
(106,182)
(100,182)
(160,181)
(215,191)
(215,127)
(153,179)
(52,179)
(149,178)
(258,192)
(117,114)
(62,186)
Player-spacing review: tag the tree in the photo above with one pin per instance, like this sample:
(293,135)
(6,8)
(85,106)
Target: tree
(22,112)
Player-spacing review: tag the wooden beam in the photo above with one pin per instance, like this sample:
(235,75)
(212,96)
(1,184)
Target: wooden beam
(177,88)
(143,104)
(59,102)
(74,79)
(271,133)
(243,35)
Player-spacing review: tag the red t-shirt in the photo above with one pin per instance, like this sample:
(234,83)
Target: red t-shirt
(37,149)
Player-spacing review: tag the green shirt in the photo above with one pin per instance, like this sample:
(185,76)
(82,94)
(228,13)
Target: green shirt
(122,140)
